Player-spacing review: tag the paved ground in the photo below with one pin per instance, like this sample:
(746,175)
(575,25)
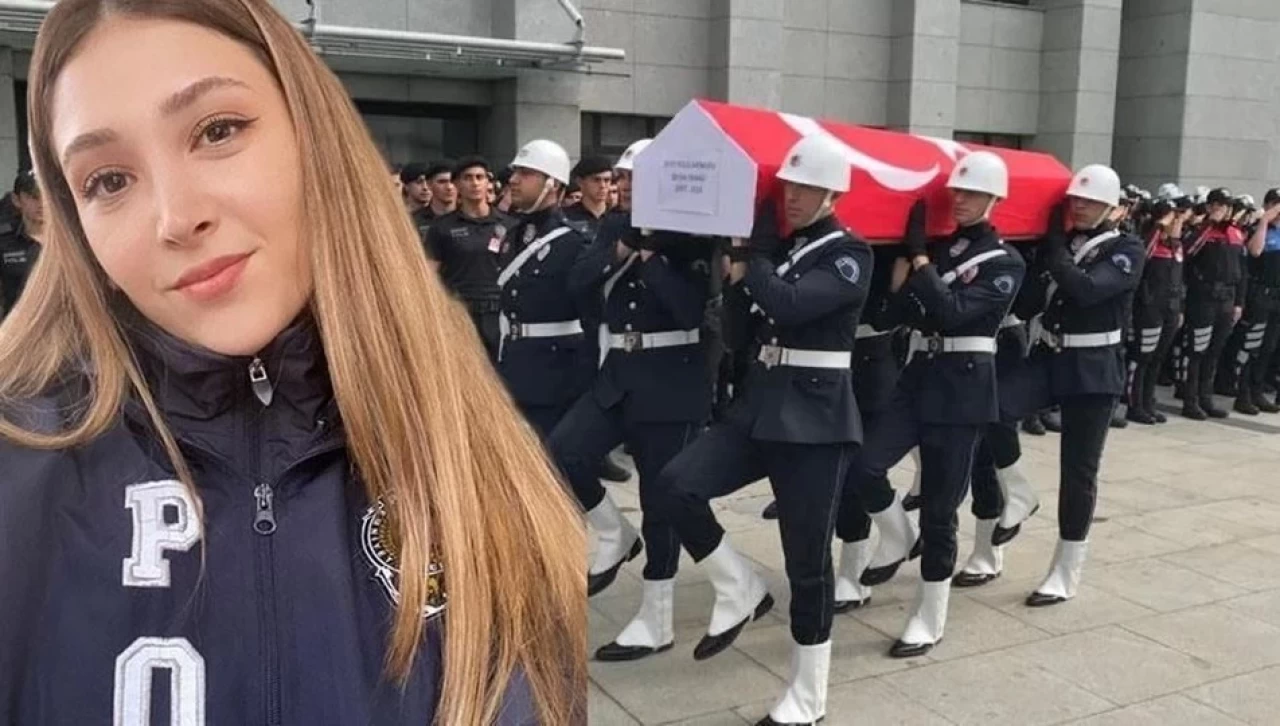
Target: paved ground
(1177,622)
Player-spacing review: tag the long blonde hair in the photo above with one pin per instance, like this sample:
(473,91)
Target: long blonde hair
(429,426)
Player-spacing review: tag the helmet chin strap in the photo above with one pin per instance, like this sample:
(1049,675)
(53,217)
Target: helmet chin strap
(547,186)
(1106,214)
(986,213)
(824,210)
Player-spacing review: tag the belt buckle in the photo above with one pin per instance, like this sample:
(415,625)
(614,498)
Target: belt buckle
(933,344)
(770,355)
(632,342)
(514,333)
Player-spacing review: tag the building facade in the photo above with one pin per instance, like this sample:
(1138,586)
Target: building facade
(1182,90)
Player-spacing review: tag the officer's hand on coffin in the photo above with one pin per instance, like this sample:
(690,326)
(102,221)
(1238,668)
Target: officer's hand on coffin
(915,239)
(1055,237)
(765,238)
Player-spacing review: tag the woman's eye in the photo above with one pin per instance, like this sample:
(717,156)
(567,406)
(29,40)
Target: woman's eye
(108,183)
(219,131)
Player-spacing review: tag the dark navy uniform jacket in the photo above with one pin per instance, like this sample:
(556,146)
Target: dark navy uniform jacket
(18,254)
(959,388)
(668,292)
(544,371)
(107,612)
(876,362)
(584,220)
(1094,296)
(815,305)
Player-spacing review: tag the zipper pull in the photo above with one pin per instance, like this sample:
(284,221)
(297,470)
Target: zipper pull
(264,518)
(262,387)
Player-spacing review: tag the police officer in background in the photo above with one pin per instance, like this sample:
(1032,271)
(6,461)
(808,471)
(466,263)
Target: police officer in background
(947,394)
(20,240)
(1216,292)
(444,191)
(1085,289)
(543,355)
(416,188)
(796,420)
(1157,307)
(1262,311)
(466,243)
(650,392)
(594,177)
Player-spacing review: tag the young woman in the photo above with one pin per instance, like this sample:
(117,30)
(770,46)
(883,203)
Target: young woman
(232,492)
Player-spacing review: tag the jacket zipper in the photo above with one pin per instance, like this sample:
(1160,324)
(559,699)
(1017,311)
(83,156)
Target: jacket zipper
(264,525)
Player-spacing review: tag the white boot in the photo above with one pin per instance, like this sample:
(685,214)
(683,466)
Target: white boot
(741,596)
(851,594)
(912,500)
(897,542)
(1064,575)
(650,631)
(805,701)
(987,560)
(1020,502)
(616,542)
(927,622)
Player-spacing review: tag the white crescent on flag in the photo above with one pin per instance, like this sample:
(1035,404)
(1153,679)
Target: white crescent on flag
(885,174)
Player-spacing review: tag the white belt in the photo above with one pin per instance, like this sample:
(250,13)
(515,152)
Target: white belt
(773,355)
(630,342)
(936,344)
(545,330)
(866,331)
(1083,340)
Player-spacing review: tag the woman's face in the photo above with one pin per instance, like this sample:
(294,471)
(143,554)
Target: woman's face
(180,153)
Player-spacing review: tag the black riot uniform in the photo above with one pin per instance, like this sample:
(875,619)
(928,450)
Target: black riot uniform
(1216,285)
(1261,321)
(467,249)
(584,220)
(1085,290)
(947,393)
(18,254)
(796,420)
(651,391)
(544,355)
(1157,306)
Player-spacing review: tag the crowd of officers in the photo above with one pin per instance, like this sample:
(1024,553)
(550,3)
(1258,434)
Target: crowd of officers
(806,356)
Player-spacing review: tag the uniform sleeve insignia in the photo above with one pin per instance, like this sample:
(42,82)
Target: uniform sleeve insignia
(1123,262)
(849,269)
(1004,284)
(382,551)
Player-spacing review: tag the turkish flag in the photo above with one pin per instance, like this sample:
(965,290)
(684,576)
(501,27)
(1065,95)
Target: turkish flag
(710,167)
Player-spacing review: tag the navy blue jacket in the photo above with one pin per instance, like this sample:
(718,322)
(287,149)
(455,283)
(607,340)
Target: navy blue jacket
(668,292)
(959,388)
(545,371)
(107,610)
(815,305)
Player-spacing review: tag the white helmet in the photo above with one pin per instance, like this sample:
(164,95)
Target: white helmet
(983,172)
(627,161)
(1169,190)
(817,161)
(1096,182)
(544,156)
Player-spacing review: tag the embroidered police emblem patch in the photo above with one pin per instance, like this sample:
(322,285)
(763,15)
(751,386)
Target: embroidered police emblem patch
(1123,262)
(849,269)
(1004,284)
(378,542)
(959,247)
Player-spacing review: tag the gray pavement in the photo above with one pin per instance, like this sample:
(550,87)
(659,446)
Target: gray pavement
(1177,622)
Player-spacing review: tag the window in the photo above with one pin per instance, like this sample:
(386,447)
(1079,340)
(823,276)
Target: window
(608,134)
(413,132)
(1003,141)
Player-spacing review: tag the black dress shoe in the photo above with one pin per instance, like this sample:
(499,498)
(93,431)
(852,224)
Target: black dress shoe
(614,653)
(910,650)
(1212,410)
(1159,417)
(1034,426)
(1193,411)
(1265,406)
(972,579)
(1246,407)
(599,581)
(873,576)
(1137,415)
(1040,600)
(911,502)
(610,470)
(845,606)
(713,644)
(771,511)
(768,721)
(1002,535)
(1118,420)
(1052,421)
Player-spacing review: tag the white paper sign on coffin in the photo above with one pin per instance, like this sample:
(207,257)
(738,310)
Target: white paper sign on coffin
(694,178)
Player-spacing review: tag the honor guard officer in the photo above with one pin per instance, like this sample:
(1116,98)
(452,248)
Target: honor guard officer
(1157,307)
(1085,288)
(795,421)
(465,243)
(1262,313)
(651,392)
(594,176)
(1215,298)
(20,240)
(947,393)
(543,355)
